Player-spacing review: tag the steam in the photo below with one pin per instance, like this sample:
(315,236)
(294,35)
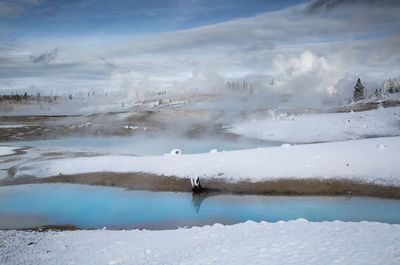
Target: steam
(304,79)
(308,77)
(201,81)
(132,85)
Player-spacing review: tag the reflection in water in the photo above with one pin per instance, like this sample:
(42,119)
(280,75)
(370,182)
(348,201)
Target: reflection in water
(198,198)
(196,201)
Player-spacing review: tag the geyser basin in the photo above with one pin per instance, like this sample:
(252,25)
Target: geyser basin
(90,206)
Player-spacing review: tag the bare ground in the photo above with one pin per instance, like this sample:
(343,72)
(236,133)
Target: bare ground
(142,181)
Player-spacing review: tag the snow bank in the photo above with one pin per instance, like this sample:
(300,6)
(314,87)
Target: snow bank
(322,127)
(12,126)
(295,242)
(7,150)
(359,160)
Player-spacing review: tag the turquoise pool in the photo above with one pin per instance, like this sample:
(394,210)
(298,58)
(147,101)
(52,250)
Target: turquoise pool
(96,207)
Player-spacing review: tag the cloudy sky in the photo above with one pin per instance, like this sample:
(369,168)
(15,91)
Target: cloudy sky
(284,47)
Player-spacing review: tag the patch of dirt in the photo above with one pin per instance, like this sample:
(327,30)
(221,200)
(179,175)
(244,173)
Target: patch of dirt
(46,228)
(151,182)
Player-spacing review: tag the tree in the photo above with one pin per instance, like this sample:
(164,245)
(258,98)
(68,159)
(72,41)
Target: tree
(358,91)
(391,85)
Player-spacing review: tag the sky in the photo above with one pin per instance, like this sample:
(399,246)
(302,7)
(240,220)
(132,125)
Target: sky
(313,49)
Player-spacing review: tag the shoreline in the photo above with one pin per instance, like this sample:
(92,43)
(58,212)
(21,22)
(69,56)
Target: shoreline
(287,186)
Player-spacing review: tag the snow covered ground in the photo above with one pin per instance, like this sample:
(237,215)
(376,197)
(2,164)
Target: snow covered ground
(368,160)
(323,127)
(10,126)
(7,150)
(346,156)
(294,242)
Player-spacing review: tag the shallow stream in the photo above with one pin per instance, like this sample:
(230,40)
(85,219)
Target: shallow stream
(33,205)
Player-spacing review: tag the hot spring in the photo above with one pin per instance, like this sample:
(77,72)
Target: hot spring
(32,205)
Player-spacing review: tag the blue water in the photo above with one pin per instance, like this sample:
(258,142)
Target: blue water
(146,145)
(96,207)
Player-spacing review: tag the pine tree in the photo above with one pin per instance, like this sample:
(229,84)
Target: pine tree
(358,91)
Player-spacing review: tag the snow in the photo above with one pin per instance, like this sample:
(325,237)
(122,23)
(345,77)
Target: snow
(395,97)
(350,157)
(358,160)
(175,152)
(294,242)
(324,127)
(12,126)
(7,150)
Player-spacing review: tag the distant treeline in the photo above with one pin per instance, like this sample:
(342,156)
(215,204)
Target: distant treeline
(25,98)
(20,98)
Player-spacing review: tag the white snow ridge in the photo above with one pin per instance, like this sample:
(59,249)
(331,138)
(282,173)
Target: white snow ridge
(294,242)
(357,160)
(7,150)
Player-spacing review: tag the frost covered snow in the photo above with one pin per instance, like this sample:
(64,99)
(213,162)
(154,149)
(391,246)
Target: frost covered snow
(324,127)
(369,160)
(7,150)
(294,242)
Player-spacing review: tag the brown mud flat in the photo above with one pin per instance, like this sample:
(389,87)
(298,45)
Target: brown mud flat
(106,125)
(365,106)
(151,182)
(46,228)
(115,124)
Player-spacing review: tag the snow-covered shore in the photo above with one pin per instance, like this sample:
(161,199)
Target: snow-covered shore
(294,242)
(323,127)
(375,161)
